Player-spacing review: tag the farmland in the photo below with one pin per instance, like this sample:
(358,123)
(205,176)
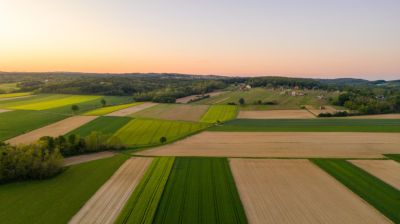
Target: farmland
(55,200)
(144,132)
(275,114)
(8,87)
(220,113)
(373,190)
(310,125)
(105,125)
(386,170)
(14,95)
(109,109)
(142,205)
(200,190)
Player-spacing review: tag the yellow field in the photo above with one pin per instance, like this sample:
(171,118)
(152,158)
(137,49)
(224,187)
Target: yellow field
(57,102)
(110,109)
(12,95)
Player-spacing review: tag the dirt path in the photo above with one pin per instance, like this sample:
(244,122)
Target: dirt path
(87,157)
(296,191)
(386,170)
(276,114)
(56,129)
(131,110)
(108,201)
(283,144)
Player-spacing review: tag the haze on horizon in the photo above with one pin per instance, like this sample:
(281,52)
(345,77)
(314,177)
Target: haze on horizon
(314,38)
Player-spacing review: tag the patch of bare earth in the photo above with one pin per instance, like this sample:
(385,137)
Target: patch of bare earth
(56,129)
(4,110)
(131,110)
(87,157)
(386,170)
(108,201)
(377,116)
(296,191)
(187,99)
(283,144)
(276,114)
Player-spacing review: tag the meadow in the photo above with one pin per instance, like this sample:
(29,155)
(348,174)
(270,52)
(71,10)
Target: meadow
(109,109)
(382,196)
(310,125)
(57,199)
(8,87)
(105,125)
(145,132)
(220,113)
(142,205)
(12,95)
(200,190)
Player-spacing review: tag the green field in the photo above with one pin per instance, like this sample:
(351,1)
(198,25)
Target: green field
(55,200)
(109,109)
(14,123)
(220,113)
(142,205)
(382,196)
(105,125)
(8,87)
(395,157)
(200,190)
(311,125)
(12,95)
(144,132)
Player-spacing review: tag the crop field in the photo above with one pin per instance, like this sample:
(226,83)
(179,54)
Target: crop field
(296,191)
(275,114)
(105,205)
(14,95)
(310,125)
(143,132)
(109,109)
(8,87)
(282,144)
(181,112)
(382,196)
(386,170)
(395,157)
(200,190)
(105,125)
(142,205)
(220,113)
(58,199)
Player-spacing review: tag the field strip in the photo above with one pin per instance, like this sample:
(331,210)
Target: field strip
(386,170)
(296,191)
(56,129)
(4,110)
(87,157)
(276,114)
(187,99)
(108,201)
(283,144)
(14,98)
(377,116)
(131,110)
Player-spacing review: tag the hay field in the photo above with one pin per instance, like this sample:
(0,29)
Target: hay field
(105,205)
(283,144)
(296,191)
(178,112)
(386,170)
(109,109)
(220,113)
(276,114)
(130,110)
(59,128)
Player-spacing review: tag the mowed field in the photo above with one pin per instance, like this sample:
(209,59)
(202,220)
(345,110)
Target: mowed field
(296,191)
(182,112)
(283,144)
(144,132)
(220,113)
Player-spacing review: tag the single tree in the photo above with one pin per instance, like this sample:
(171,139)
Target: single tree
(75,108)
(103,102)
(163,140)
(241,101)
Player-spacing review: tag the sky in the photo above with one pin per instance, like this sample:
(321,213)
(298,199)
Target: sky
(298,38)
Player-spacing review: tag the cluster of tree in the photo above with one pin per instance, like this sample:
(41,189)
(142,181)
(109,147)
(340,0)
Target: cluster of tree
(34,161)
(336,114)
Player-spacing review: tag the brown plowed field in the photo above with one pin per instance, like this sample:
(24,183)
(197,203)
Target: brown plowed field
(276,114)
(283,144)
(87,157)
(131,110)
(386,170)
(108,201)
(56,129)
(296,191)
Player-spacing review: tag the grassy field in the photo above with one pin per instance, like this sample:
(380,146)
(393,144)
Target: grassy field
(285,100)
(12,95)
(105,125)
(311,125)
(144,132)
(14,123)
(382,196)
(55,200)
(8,87)
(395,157)
(220,113)
(142,205)
(109,109)
(200,190)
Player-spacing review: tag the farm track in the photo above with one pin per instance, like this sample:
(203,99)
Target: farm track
(386,170)
(87,157)
(276,114)
(282,144)
(296,191)
(56,129)
(108,201)
(131,110)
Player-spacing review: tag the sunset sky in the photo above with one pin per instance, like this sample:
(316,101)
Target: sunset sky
(305,38)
